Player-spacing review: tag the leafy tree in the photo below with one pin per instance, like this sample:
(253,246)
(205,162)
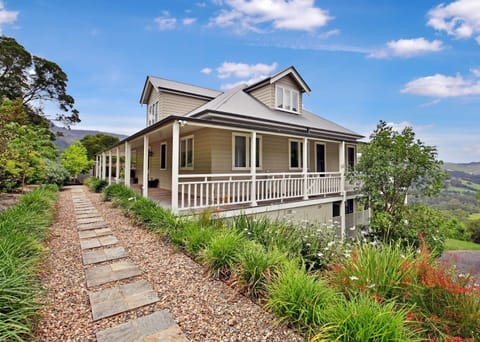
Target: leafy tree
(55,173)
(97,142)
(393,166)
(75,160)
(32,78)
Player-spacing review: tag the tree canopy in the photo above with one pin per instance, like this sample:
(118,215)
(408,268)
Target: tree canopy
(393,166)
(31,79)
(97,142)
(75,160)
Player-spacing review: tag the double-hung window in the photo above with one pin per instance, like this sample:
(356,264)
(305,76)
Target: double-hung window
(295,148)
(287,99)
(241,151)
(186,152)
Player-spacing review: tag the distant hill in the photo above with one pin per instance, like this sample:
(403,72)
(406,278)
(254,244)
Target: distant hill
(469,168)
(69,136)
(460,188)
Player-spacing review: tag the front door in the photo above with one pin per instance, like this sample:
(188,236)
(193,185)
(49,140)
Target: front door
(320,157)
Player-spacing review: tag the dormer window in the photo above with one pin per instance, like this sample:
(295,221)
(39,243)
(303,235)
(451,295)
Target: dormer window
(287,99)
(153,113)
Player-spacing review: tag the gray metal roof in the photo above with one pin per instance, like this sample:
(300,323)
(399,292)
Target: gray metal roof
(163,83)
(237,101)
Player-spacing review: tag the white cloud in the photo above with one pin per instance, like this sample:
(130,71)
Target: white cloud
(443,86)
(248,15)
(460,18)
(166,22)
(329,34)
(6,17)
(206,71)
(475,71)
(242,70)
(188,21)
(407,48)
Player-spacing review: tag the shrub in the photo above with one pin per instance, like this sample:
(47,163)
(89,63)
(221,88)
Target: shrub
(474,228)
(299,299)
(363,319)
(256,269)
(383,272)
(115,191)
(197,237)
(221,254)
(96,185)
(22,228)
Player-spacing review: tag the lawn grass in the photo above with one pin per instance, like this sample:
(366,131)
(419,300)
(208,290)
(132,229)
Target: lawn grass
(454,245)
(474,216)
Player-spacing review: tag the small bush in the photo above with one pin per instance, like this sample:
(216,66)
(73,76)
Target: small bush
(364,319)
(256,269)
(96,185)
(299,299)
(221,254)
(117,191)
(197,237)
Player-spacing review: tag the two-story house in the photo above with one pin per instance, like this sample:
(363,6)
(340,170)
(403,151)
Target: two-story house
(251,149)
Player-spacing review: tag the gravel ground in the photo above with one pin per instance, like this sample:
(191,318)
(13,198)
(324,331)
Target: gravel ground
(205,309)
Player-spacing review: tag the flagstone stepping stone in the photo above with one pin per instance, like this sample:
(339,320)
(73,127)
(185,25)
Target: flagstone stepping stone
(101,255)
(89,208)
(100,241)
(86,211)
(112,301)
(93,225)
(88,215)
(143,329)
(90,220)
(99,275)
(86,234)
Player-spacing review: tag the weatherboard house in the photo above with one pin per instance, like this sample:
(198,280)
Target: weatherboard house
(252,149)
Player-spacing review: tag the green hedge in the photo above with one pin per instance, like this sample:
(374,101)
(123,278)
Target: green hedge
(22,231)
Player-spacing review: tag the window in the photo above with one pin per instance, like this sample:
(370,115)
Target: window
(287,99)
(296,154)
(241,151)
(152,113)
(186,152)
(351,158)
(349,206)
(163,156)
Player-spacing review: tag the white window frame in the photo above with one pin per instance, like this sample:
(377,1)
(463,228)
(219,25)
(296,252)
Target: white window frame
(185,167)
(248,138)
(166,155)
(300,154)
(291,92)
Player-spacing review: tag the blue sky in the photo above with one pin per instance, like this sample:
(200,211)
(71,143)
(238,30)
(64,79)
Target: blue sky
(414,63)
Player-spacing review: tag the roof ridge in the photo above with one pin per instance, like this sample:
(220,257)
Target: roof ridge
(184,83)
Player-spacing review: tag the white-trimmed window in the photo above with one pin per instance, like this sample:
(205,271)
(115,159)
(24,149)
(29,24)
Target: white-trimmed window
(186,152)
(295,151)
(153,113)
(163,156)
(241,151)
(287,99)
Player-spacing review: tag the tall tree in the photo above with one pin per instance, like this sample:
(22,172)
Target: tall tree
(97,142)
(393,166)
(32,78)
(75,160)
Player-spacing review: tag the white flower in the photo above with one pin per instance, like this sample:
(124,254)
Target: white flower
(320,255)
(308,244)
(353,278)
(331,243)
(402,256)
(352,228)
(461,275)
(326,249)
(347,255)
(131,198)
(371,286)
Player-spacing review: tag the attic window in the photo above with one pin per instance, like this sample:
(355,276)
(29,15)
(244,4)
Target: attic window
(286,99)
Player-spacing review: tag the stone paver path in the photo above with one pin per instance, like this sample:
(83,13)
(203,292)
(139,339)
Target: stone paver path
(98,246)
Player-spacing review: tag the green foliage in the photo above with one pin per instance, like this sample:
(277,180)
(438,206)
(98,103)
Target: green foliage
(22,228)
(256,269)
(55,173)
(364,319)
(299,299)
(23,148)
(97,143)
(74,159)
(96,184)
(474,228)
(383,272)
(34,79)
(196,237)
(221,254)
(394,165)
